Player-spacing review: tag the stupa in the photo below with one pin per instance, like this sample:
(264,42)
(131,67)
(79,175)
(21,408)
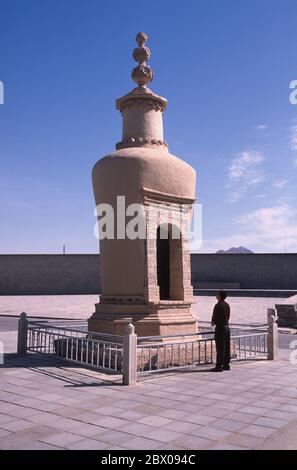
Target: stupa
(145,280)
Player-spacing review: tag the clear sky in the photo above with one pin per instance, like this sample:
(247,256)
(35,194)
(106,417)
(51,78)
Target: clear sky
(225,67)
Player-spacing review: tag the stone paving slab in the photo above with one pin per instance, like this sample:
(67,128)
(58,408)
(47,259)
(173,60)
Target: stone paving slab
(285,438)
(77,408)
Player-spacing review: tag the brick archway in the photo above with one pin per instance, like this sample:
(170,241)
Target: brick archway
(170,262)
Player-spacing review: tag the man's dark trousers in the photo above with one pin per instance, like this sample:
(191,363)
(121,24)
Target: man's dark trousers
(222,339)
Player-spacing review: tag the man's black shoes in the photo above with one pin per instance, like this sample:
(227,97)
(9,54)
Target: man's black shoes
(216,369)
(219,369)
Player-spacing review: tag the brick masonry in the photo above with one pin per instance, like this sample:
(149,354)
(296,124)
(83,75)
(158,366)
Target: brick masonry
(49,274)
(79,274)
(251,271)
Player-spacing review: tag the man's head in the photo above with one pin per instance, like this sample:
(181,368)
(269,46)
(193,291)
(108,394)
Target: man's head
(221,296)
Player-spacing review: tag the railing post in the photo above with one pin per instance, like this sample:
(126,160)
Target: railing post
(270,311)
(130,357)
(22,334)
(272,339)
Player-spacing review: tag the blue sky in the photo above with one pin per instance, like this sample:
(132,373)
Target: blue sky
(225,67)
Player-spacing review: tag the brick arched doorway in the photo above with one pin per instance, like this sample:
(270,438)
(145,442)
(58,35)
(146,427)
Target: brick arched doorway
(170,262)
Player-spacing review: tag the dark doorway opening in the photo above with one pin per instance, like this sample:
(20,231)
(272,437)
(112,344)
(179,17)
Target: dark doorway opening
(163,262)
(170,262)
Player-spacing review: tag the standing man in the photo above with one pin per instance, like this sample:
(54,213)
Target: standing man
(220,319)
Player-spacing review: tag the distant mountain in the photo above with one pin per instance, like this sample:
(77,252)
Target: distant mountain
(240,249)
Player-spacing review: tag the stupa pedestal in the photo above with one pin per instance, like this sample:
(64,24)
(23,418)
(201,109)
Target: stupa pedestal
(146,280)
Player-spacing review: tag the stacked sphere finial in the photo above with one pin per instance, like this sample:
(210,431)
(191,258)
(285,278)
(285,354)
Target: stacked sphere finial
(142,74)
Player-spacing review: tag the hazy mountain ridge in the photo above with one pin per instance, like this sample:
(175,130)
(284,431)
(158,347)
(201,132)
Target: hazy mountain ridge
(236,250)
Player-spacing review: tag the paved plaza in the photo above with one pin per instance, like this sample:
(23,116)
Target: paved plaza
(250,310)
(50,405)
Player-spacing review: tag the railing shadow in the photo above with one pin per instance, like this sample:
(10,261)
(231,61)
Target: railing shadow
(75,375)
(13,360)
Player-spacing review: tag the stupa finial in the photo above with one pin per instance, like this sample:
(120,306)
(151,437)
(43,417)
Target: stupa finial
(142,74)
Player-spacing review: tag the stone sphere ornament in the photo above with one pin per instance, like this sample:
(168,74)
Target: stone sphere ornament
(142,74)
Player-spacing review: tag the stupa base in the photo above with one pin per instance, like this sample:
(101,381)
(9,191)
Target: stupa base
(163,319)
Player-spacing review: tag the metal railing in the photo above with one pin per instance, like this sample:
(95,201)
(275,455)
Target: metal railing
(99,351)
(247,341)
(248,346)
(132,356)
(159,356)
(173,352)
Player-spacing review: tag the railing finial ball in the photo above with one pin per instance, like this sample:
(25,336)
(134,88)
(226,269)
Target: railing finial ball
(131,329)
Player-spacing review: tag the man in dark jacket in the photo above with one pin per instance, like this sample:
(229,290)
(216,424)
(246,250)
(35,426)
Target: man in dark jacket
(220,319)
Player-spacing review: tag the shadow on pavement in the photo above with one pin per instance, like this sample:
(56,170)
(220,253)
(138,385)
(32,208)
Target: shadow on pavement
(74,375)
